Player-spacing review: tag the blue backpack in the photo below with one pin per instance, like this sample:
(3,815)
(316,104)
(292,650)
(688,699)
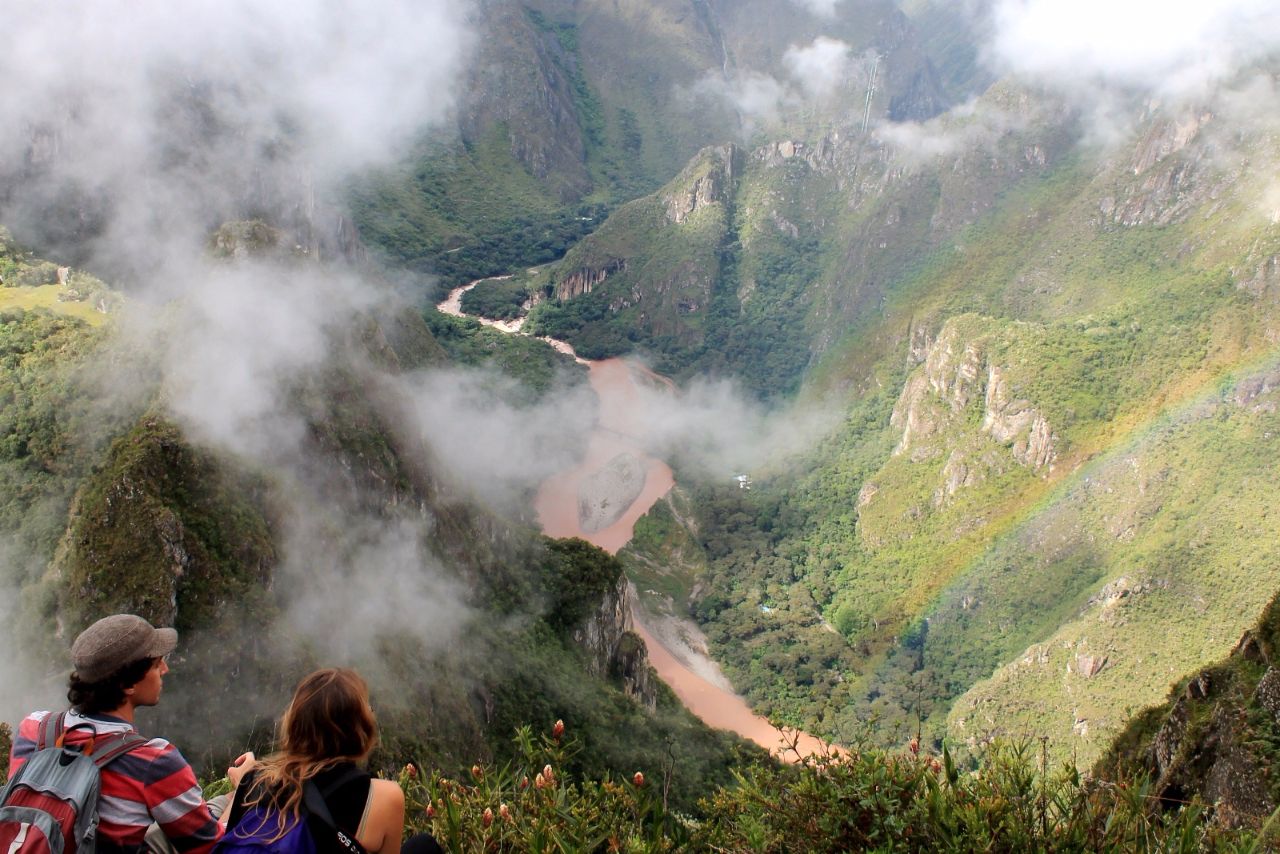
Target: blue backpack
(251,830)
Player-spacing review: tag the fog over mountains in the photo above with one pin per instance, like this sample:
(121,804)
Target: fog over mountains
(984,298)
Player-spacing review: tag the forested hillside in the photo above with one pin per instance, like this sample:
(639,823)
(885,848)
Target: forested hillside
(569,110)
(976,364)
(1049,498)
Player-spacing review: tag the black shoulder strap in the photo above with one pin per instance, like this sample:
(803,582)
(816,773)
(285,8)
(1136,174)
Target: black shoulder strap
(236,812)
(350,773)
(313,800)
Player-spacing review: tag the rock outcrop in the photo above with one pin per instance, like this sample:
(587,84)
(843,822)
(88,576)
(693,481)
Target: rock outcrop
(1213,738)
(955,373)
(1167,172)
(1014,422)
(709,180)
(613,649)
(586,279)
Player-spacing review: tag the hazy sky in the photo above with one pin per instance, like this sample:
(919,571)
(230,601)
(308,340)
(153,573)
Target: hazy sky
(1163,47)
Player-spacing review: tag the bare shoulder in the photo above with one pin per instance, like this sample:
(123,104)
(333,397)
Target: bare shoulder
(386,793)
(384,824)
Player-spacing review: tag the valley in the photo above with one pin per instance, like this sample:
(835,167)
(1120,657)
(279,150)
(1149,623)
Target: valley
(904,373)
(693,676)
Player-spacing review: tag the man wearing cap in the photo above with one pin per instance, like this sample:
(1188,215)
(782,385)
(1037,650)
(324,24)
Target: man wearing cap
(119,666)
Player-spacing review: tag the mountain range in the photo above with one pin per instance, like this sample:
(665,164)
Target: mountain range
(1041,328)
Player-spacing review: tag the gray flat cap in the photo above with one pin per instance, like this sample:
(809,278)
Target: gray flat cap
(115,641)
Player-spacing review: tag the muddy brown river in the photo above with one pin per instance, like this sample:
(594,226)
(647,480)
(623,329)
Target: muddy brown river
(616,384)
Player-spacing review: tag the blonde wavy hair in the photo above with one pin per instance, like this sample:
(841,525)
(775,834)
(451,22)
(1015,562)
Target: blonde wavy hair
(329,720)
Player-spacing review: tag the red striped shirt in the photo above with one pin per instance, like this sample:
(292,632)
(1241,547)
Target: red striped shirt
(150,783)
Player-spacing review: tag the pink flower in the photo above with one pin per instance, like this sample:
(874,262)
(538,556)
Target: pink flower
(488,816)
(638,779)
(558,730)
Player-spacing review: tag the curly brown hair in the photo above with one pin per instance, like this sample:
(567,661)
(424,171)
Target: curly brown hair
(106,695)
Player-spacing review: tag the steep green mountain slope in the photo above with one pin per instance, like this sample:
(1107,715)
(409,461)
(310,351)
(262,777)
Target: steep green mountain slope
(111,505)
(1054,364)
(804,240)
(568,109)
(1216,736)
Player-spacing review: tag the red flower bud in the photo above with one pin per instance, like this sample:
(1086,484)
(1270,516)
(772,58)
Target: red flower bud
(431,812)
(477,772)
(549,774)
(539,782)
(914,746)
(411,771)
(504,812)
(638,779)
(488,816)
(557,730)
(524,783)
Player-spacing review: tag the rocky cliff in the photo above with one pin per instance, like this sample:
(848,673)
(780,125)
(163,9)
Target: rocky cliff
(957,371)
(1215,737)
(614,650)
(709,180)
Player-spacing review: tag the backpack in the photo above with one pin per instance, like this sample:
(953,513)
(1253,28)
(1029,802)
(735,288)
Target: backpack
(51,805)
(250,829)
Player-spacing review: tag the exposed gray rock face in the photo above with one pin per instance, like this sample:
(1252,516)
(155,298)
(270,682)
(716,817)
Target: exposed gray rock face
(1167,137)
(1015,422)
(1167,172)
(1249,390)
(951,370)
(583,281)
(605,495)
(1267,693)
(614,649)
(1090,666)
(956,372)
(1206,745)
(707,181)
(1259,275)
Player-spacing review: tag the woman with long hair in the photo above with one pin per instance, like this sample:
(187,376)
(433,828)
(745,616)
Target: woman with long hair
(326,734)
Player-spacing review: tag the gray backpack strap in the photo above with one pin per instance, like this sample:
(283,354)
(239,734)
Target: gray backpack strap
(42,734)
(118,745)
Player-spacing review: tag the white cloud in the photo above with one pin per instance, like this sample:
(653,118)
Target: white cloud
(165,115)
(758,98)
(821,67)
(497,451)
(1176,49)
(168,118)
(821,8)
(973,124)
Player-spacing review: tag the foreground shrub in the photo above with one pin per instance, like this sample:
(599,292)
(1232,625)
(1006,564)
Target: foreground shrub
(859,801)
(873,801)
(529,805)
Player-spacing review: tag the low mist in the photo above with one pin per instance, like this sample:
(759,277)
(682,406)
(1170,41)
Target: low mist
(137,129)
